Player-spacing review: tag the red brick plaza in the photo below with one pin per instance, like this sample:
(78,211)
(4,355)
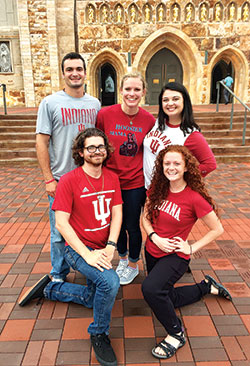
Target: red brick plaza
(51,333)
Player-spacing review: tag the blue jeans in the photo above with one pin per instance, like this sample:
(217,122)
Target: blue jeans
(133,201)
(100,292)
(60,268)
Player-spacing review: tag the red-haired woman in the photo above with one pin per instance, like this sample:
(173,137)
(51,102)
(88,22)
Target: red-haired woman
(177,198)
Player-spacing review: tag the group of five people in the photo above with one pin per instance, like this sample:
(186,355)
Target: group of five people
(97,193)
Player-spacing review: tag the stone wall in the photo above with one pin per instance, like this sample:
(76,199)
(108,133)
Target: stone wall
(209,35)
(38,31)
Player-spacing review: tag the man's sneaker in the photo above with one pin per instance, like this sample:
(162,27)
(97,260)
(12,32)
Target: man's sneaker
(35,291)
(129,275)
(123,263)
(103,350)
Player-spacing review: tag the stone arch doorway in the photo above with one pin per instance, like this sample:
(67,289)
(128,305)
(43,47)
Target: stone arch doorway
(163,67)
(106,56)
(108,85)
(237,64)
(219,72)
(184,48)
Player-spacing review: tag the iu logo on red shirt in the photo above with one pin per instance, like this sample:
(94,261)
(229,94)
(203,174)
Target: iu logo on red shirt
(102,212)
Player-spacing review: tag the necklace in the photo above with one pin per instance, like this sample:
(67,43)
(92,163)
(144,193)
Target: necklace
(131,117)
(86,175)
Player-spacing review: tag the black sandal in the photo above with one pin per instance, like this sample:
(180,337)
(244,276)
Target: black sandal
(223,292)
(168,348)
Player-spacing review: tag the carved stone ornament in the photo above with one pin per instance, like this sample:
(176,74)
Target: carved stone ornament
(203,13)
(160,13)
(189,13)
(133,14)
(217,13)
(91,14)
(175,13)
(119,14)
(245,12)
(232,12)
(147,13)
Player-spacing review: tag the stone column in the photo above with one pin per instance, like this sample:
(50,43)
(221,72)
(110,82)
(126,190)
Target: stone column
(53,45)
(28,80)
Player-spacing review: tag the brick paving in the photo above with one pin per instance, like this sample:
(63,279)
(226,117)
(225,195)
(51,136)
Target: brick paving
(51,333)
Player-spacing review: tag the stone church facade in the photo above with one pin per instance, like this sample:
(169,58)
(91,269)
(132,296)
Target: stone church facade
(193,42)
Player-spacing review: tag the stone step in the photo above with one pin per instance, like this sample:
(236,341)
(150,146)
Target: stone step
(17,137)
(224,140)
(224,133)
(18,153)
(17,129)
(20,144)
(24,116)
(222,126)
(18,161)
(230,149)
(18,122)
(20,136)
(233,158)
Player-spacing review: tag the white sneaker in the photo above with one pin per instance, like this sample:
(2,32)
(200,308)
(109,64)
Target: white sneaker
(123,263)
(129,275)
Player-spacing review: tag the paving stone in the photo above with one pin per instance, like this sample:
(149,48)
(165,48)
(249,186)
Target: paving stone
(56,333)
(73,358)
(49,324)
(46,334)
(227,320)
(231,330)
(136,307)
(203,342)
(11,359)
(210,354)
(13,347)
(74,345)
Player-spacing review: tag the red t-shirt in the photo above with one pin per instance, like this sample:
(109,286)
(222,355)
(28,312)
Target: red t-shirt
(90,210)
(126,135)
(178,214)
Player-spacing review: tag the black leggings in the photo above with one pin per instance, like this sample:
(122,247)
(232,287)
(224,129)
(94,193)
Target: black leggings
(133,201)
(161,295)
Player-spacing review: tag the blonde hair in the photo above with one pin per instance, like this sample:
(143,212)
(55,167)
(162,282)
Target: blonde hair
(134,75)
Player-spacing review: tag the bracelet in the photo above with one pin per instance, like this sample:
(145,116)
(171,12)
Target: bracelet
(110,242)
(150,236)
(191,250)
(50,181)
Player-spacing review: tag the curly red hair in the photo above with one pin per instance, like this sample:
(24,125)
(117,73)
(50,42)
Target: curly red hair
(159,188)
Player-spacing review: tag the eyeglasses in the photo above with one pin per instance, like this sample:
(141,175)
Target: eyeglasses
(93,148)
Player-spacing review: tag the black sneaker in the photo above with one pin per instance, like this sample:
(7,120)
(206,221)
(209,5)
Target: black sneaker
(103,350)
(35,291)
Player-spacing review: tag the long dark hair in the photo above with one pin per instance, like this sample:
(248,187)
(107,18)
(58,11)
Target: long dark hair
(187,118)
(159,188)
